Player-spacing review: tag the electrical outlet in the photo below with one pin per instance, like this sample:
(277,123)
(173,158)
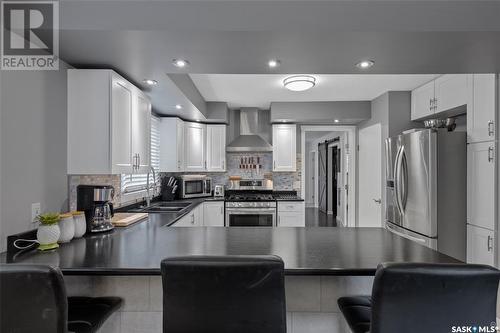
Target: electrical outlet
(35,211)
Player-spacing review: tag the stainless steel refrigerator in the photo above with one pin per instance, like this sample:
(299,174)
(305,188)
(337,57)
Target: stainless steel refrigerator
(426,173)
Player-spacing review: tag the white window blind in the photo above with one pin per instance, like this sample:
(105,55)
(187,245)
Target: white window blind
(137,182)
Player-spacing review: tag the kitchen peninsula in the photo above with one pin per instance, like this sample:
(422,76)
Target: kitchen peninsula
(321,264)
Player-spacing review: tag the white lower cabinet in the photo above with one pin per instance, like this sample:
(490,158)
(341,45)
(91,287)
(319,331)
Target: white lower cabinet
(291,214)
(192,219)
(480,245)
(213,214)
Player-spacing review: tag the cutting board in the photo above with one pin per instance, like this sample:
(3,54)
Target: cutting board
(126,219)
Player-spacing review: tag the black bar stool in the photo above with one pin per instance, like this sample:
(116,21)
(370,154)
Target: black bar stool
(416,298)
(223,294)
(33,299)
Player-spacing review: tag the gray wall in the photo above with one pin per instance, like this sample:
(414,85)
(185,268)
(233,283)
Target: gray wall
(33,146)
(393,111)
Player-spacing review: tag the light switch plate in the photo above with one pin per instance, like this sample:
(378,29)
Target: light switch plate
(35,211)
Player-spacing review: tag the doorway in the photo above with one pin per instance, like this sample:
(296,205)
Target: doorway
(331,202)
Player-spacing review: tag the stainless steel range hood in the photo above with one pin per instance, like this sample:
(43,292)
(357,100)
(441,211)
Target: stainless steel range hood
(249,140)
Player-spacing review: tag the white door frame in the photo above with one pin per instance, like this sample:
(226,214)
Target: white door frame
(351,181)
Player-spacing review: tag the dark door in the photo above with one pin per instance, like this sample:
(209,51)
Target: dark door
(322,176)
(335,170)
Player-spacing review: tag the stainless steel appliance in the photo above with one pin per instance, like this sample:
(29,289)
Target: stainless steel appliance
(219,191)
(250,203)
(426,189)
(195,186)
(95,201)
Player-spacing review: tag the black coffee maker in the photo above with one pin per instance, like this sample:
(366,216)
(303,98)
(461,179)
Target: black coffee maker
(95,201)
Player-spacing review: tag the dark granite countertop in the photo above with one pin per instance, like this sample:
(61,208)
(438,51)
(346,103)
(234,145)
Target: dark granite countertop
(139,249)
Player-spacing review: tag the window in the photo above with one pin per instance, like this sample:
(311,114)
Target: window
(137,182)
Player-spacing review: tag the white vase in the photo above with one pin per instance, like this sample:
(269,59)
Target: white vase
(67,227)
(47,236)
(80,223)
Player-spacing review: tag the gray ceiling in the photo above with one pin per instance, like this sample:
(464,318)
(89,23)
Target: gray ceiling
(140,38)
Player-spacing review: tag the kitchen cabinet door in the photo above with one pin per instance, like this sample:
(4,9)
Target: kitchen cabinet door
(451,91)
(213,214)
(422,101)
(481,184)
(171,145)
(194,147)
(481,119)
(216,148)
(480,246)
(187,220)
(141,133)
(121,129)
(291,214)
(284,147)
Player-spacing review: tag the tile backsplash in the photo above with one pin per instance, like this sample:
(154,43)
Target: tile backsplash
(281,180)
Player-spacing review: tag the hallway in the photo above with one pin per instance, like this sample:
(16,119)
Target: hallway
(315,218)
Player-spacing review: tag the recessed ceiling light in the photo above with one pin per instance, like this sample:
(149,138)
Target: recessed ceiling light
(365,64)
(299,82)
(150,82)
(273,63)
(335,120)
(178,106)
(180,63)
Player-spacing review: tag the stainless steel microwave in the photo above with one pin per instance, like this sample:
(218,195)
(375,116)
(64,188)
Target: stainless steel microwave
(195,186)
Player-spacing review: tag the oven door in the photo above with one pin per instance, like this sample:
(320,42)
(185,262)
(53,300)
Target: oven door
(250,217)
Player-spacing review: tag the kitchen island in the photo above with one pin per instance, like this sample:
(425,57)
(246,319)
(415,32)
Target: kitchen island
(321,264)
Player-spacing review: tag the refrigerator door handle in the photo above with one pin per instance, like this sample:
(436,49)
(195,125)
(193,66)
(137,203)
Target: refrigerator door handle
(404,168)
(397,181)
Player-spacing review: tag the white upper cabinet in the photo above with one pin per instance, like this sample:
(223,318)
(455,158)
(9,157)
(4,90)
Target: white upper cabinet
(141,133)
(481,198)
(480,246)
(284,147)
(445,93)
(195,157)
(171,145)
(481,109)
(108,124)
(422,101)
(121,129)
(216,148)
(451,91)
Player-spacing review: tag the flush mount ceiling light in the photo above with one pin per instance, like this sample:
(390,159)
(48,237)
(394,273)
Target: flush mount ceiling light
(180,63)
(365,64)
(150,82)
(273,63)
(178,106)
(299,82)
(335,120)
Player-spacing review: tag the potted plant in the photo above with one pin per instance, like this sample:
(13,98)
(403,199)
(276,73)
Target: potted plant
(48,231)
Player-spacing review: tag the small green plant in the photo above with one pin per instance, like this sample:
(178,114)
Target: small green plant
(48,218)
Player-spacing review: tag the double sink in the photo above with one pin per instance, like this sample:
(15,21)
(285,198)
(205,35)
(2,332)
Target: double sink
(165,207)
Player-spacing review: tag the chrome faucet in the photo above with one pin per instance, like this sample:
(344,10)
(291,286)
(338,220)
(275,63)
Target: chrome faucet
(148,197)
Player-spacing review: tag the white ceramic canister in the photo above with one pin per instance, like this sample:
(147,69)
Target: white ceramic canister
(47,236)
(67,227)
(80,223)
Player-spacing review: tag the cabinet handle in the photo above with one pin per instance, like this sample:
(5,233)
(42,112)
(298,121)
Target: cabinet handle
(491,128)
(490,243)
(223,164)
(138,161)
(192,219)
(274,165)
(205,165)
(491,154)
